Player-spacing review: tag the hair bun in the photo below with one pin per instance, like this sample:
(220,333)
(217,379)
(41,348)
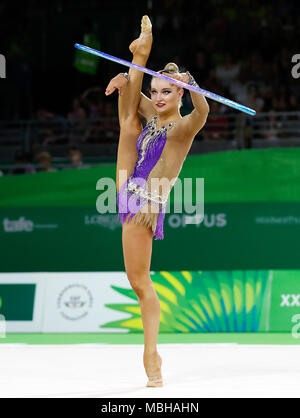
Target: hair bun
(171,67)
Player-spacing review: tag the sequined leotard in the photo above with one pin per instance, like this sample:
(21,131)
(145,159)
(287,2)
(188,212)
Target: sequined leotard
(138,198)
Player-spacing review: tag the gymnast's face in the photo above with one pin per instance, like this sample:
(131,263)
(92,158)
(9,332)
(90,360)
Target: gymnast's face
(164,95)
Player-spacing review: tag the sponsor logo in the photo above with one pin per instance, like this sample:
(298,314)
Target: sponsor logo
(75,302)
(290,301)
(209,221)
(111,222)
(20,225)
(24,225)
(277,220)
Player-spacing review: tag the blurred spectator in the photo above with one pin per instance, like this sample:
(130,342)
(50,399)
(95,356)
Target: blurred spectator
(253,99)
(227,72)
(78,121)
(22,164)
(201,67)
(273,127)
(284,100)
(44,162)
(255,70)
(109,124)
(212,84)
(77,114)
(50,127)
(106,126)
(239,88)
(268,100)
(75,157)
(96,110)
(93,100)
(216,125)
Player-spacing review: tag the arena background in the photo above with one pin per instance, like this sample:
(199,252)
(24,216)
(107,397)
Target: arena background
(235,278)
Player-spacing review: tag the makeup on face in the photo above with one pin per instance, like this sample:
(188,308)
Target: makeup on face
(161,96)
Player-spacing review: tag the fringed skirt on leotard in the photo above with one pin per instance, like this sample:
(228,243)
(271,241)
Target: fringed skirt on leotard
(134,205)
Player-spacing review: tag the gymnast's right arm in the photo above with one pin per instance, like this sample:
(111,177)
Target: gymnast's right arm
(120,82)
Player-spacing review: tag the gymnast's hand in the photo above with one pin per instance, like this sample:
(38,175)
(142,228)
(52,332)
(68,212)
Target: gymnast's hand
(118,82)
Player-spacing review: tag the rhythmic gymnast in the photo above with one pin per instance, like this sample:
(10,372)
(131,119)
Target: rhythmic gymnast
(156,152)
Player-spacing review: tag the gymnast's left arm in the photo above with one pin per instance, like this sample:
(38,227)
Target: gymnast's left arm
(198,116)
(195,121)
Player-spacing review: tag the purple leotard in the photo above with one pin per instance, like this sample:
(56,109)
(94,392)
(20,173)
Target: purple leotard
(135,192)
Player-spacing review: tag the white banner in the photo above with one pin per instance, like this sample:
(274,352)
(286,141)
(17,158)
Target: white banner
(75,302)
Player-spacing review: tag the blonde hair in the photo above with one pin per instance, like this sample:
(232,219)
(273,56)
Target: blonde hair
(44,156)
(172,68)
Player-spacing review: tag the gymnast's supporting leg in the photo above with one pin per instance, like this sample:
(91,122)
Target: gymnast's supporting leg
(137,248)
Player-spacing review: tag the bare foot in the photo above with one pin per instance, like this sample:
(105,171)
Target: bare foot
(142,45)
(152,364)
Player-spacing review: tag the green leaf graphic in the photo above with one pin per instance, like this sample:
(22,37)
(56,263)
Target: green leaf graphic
(200,301)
